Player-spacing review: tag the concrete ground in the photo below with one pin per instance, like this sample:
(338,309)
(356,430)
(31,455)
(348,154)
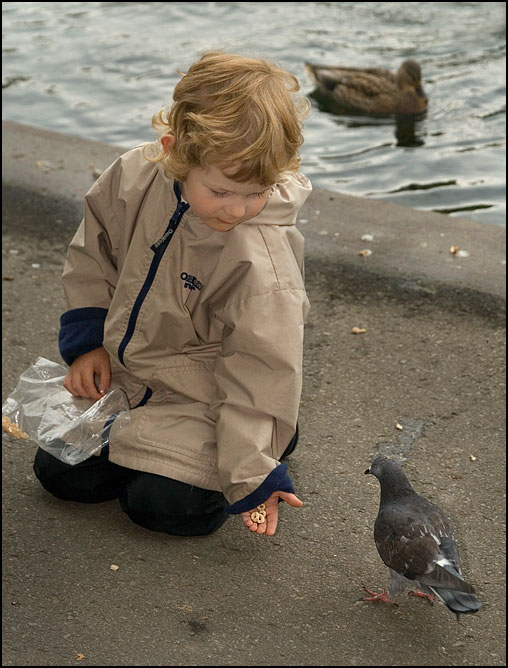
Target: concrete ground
(431,361)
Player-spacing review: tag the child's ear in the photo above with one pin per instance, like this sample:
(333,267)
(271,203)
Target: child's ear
(167,142)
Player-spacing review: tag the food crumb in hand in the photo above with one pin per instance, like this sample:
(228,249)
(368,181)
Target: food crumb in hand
(258,515)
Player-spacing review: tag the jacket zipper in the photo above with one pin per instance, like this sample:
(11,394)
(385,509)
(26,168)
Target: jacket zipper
(159,248)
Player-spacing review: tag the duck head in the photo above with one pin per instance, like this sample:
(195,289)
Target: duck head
(409,78)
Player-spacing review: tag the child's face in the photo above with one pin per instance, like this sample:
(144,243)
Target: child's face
(221,203)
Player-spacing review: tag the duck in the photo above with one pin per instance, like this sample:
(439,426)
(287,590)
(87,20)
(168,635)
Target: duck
(371,90)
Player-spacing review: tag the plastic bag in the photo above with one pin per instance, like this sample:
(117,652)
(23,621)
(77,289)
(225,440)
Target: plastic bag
(70,429)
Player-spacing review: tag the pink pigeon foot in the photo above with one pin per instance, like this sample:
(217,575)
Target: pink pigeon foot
(383,596)
(420,594)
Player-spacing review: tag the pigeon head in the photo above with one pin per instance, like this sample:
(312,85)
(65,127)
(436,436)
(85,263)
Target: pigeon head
(382,464)
(391,477)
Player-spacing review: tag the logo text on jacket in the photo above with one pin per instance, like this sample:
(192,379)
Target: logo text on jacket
(190,281)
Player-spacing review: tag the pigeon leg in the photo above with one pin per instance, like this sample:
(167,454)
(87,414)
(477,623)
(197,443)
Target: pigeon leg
(383,596)
(429,597)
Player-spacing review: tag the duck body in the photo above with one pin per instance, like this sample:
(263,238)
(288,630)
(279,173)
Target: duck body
(371,90)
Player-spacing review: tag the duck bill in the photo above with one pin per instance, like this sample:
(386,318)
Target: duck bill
(420,92)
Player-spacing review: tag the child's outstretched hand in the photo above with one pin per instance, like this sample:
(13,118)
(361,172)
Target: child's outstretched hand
(272,513)
(80,379)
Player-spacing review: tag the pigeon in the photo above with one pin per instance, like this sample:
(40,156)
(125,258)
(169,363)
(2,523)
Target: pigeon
(415,540)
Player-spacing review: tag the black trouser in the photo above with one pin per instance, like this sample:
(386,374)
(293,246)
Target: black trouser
(152,501)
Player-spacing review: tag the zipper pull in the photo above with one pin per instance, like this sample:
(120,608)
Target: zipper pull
(174,221)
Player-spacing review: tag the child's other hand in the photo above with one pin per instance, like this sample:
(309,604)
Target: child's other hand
(272,513)
(80,379)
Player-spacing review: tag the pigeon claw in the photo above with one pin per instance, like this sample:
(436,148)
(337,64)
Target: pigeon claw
(429,597)
(383,596)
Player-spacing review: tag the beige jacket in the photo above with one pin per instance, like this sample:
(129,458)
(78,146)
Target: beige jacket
(204,329)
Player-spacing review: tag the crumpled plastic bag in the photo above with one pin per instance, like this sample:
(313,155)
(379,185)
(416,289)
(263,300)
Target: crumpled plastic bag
(70,429)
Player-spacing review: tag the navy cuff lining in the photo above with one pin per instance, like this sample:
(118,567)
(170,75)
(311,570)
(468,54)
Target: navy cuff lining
(277,480)
(85,313)
(81,330)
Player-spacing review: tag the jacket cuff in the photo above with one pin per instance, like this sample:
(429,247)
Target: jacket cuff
(277,480)
(81,330)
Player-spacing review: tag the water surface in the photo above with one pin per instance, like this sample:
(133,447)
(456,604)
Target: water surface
(99,70)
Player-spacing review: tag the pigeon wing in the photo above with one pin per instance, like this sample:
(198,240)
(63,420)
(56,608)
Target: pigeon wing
(403,543)
(415,539)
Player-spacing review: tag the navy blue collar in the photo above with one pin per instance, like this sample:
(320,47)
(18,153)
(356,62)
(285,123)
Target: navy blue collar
(177,190)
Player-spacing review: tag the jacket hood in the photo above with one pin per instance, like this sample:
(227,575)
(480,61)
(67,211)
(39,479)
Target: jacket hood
(285,201)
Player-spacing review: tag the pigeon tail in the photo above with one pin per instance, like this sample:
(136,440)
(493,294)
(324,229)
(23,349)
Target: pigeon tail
(446,576)
(460,602)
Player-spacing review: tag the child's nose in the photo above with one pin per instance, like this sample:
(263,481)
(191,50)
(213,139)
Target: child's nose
(235,209)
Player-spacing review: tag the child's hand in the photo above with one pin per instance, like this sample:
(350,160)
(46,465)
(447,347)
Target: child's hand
(80,379)
(272,513)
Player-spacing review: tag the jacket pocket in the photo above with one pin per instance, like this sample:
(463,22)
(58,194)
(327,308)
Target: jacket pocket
(177,441)
(192,380)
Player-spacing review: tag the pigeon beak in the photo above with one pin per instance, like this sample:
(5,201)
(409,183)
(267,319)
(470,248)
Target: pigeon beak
(368,470)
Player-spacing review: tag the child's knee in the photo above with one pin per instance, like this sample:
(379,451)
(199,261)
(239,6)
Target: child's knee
(50,472)
(169,506)
(176,525)
(92,481)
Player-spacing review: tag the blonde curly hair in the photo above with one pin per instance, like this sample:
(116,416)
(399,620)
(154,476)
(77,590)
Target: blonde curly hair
(236,113)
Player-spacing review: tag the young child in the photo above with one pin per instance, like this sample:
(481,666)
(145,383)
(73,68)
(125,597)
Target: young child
(184,284)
